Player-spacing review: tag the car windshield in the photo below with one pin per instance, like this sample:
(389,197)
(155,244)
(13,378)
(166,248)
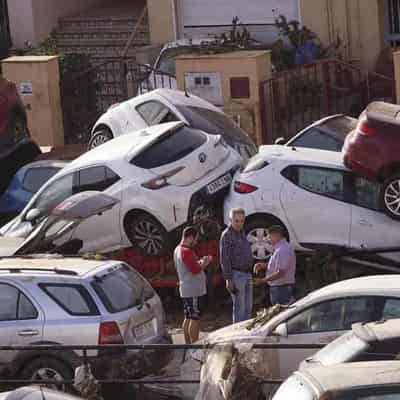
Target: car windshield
(216,123)
(121,288)
(344,349)
(292,388)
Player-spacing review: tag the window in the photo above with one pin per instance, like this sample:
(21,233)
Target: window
(121,289)
(334,315)
(171,147)
(36,177)
(96,178)
(154,112)
(314,138)
(385,392)
(74,299)
(367,193)
(393,22)
(326,182)
(391,309)
(54,194)
(14,305)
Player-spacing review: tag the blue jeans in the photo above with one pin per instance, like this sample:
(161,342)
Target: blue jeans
(280,294)
(243,299)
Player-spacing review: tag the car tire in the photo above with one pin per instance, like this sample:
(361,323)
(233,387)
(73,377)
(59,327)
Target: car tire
(47,368)
(100,137)
(256,231)
(147,234)
(390,196)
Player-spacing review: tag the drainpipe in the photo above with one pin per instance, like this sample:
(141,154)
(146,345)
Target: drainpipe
(175,19)
(300,16)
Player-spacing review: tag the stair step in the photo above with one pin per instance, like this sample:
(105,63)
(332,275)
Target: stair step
(98,51)
(98,23)
(99,38)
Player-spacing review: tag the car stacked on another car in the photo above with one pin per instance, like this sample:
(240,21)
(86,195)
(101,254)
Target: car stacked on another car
(164,105)
(321,203)
(168,176)
(373,151)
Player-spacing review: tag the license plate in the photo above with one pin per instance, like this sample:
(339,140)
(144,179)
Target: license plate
(144,330)
(219,184)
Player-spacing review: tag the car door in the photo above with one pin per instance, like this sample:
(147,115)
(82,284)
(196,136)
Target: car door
(313,199)
(100,232)
(321,323)
(21,322)
(371,227)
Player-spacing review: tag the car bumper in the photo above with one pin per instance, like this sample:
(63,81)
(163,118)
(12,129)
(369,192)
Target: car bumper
(132,364)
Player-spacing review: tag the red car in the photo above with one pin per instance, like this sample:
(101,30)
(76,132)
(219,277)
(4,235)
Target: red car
(16,147)
(373,151)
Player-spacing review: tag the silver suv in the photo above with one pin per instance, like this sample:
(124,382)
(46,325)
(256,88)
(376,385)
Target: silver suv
(74,301)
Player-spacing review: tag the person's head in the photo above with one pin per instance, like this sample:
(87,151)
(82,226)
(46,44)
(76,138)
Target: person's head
(237,217)
(190,236)
(276,233)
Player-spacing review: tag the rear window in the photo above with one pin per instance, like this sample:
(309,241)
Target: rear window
(215,123)
(74,299)
(170,148)
(121,289)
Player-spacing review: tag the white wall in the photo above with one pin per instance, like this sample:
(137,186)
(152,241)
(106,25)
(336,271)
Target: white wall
(21,22)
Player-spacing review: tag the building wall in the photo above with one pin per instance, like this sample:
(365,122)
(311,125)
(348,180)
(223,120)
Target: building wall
(162,21)
(33,20)
(357,23)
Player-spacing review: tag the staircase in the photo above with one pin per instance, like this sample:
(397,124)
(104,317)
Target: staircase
(105,33)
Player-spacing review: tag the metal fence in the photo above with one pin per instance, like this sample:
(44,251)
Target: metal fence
(293,99)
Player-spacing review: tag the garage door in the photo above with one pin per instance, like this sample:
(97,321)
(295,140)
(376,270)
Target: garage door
(202,13)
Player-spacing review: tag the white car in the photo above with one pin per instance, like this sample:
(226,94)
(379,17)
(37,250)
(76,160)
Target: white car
(319,202)
(164,177)
(164,105)
(318,318)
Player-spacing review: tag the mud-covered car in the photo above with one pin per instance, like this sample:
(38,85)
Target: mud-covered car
(318,318)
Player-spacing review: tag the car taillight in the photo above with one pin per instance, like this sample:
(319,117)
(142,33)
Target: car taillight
(109,333)
(244,188)
(160,181)
(364,128)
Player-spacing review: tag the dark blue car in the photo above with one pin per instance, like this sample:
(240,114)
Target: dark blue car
(25,183)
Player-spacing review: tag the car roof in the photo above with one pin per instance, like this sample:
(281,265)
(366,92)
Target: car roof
(375,283)
(302,155)
(122,146)
(342,376)
(70,266)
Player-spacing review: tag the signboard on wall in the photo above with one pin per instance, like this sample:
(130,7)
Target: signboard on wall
(207,85)
(26,88)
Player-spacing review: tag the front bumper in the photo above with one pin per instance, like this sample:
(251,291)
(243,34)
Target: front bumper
(131,364)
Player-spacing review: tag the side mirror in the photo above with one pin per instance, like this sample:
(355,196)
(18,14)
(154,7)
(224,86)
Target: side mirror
(280,330)
(280,140)
(32,215)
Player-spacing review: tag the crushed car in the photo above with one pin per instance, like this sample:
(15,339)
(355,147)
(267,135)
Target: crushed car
(319,318)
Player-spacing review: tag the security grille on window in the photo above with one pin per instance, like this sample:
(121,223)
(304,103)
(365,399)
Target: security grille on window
(393,21)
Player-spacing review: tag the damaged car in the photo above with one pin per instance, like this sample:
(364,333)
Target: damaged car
(168,176)
(317,319)
(354,381)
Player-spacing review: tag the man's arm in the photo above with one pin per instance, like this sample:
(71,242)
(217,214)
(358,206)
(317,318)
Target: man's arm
(189,259)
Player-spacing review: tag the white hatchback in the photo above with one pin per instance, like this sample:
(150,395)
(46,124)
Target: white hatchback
(315,197)
(165,105)
(164,177)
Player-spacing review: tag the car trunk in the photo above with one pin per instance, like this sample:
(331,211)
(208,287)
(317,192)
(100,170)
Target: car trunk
(197,164)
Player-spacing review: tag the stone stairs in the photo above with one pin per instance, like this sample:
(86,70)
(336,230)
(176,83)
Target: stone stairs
(104,37)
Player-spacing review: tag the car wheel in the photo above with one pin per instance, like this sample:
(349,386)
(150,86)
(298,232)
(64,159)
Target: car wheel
(147,234)
(48,369)
(256,229)
(100,137)
(390,197)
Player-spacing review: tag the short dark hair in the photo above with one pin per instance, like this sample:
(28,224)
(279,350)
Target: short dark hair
(277,229)
(190,231)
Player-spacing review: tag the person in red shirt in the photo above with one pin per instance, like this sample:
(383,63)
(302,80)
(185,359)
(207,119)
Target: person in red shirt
(192,282)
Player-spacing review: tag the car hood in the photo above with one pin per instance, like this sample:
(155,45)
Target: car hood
(9,245)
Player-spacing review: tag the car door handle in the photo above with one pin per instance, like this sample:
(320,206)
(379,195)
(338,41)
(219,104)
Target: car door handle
(28,332)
